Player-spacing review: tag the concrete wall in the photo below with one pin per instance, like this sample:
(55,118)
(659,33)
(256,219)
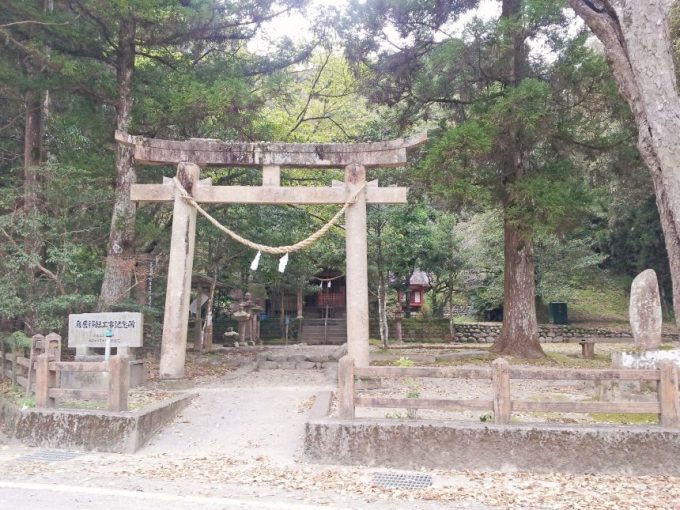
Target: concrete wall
(461,445)
(90,430)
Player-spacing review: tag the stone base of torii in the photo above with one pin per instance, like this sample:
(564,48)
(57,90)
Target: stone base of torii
(191,155)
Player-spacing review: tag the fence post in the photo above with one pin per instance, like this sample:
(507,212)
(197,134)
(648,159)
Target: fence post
(119,383)
(346,388)
(500,378)
(669,397)
(53,346)
(43,382)
(36,340)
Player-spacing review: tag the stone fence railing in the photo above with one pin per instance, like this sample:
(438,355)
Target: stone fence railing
(502,405)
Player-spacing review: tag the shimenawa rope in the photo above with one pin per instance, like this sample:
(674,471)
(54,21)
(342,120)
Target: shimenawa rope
(279,250)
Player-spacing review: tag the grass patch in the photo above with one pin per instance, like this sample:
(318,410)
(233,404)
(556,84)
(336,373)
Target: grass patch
(561,360)
(552,359)
(17,396)
(626,418)
(477,360)
(600,296)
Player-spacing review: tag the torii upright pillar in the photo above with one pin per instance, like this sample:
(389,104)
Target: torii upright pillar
(357,268)
(177,297)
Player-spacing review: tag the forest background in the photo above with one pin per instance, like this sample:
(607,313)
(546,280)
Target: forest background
(528,85)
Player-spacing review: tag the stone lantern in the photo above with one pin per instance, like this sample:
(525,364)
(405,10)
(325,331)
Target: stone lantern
(255,310)
(242,318)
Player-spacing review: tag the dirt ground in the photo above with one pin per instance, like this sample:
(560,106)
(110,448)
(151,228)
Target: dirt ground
(242,438)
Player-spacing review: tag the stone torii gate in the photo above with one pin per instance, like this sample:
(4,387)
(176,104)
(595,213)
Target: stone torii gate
(192,154)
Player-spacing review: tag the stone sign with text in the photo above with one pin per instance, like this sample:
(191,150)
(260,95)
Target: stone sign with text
(90,329)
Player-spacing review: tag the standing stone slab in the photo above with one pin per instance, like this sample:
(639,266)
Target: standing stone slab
(645,310)
(89,329)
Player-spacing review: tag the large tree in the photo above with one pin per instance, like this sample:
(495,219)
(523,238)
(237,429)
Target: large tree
(511,129)
(638,47)
(108,43)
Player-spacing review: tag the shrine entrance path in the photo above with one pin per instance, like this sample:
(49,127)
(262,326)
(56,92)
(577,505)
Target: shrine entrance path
(248,414)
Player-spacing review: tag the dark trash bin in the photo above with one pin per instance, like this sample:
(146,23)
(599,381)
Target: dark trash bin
(558,313)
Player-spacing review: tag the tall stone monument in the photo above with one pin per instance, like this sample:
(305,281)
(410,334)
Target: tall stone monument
(645,321)
(645,311)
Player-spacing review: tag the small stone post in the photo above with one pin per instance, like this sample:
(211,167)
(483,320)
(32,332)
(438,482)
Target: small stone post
(53,346)
(119,383)
(587,349)
(346,388)
(500,377)
(669,397)
(176,316)
(37,342)
(44,380)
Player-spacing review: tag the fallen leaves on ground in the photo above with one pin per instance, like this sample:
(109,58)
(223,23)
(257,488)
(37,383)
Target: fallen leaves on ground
(504,490)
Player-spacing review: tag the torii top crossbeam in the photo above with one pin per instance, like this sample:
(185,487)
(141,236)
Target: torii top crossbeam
(208,152)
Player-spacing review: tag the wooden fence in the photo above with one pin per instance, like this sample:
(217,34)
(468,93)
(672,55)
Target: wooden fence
(47,386)
(20,369)
(502,405)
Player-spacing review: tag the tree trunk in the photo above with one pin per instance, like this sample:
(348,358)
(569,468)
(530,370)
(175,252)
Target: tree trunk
(33,158)
(33,147)
(120,260)
(638,48)
(519,335)
(299,299)
(407,304)
(198,323)
(208,328)
(282,318)
(36,106)
(449,302)
(382,311)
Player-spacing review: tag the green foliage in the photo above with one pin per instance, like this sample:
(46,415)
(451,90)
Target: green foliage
(561,261)
(634,242)
(413,388)
(519,145)
(73,216)
(18,341)
(404,362)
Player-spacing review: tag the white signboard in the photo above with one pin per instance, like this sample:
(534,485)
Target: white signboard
(90,329)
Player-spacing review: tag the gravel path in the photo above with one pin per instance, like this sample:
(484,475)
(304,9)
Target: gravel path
(249,415)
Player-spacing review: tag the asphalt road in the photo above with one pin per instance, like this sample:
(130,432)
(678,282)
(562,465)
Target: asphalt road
(34,496)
